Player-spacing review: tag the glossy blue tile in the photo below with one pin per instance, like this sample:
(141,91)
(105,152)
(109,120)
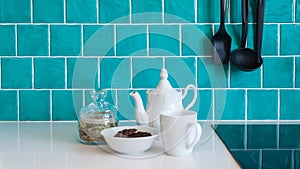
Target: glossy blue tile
(262,104)
(261,136)
(270,39)
(203,104)
(63,107)
(232,135)
(247,158)
(297,73)
(114,11)
(9,105)
(208,11)
(185,75)
(183,10)
(297,159)
(48,11)
(164,40)
(196,40)
(34,105)
(16,73)
(126,104)
(146,72)
(211,75)
(49,73)
(33,40)
(131,40)
(82,73)
(140,9)
(65,40)
(278,72)
(95,35)
(79,11)
(242,79)
(289,105)
(289,36)
(225,105)
(276,159)
(115,73)
(288,137)
(285,14)
(15,11)
(8,40)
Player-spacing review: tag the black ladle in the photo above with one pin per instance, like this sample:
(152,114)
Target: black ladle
(221,41)
(244,58)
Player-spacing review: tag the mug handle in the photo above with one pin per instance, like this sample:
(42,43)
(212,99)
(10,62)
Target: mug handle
(197,136)
(194,98)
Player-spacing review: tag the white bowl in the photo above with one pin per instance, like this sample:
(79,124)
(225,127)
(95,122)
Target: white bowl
(129,145)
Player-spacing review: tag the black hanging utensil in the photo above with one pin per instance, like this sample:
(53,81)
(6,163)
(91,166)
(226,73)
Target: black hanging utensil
(221,41)
(244,58)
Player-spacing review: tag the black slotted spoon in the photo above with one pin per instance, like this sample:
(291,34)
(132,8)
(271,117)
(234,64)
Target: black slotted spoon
(221,41)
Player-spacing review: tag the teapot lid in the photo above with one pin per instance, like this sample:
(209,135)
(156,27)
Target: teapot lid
(164,85)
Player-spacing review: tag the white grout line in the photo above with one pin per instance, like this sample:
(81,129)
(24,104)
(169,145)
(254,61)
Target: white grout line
(294,12)
(16,36)
(180,40)
(49,37)
(115,39)
(213,103)
(131,72)
(228,11)
(294,72)
(246,105)
(97,11)
(164,62)
(278,40)
(293,159)
(196,10)
(51,101)
(262,77)
(18,104)
(130,11)
(148,39)
(196,71)
(83,97)
(260,158)
(65,12)
(31,11)
(278,104)
(66,73)
(32,73)
(99,73)
(246,136)
(163,11)
(82,40)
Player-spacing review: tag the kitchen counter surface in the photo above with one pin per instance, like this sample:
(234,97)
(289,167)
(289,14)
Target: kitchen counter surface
(54,145)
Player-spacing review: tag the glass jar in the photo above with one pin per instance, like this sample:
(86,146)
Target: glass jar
(95,117)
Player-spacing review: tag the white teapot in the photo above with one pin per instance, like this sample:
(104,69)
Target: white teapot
(164,99)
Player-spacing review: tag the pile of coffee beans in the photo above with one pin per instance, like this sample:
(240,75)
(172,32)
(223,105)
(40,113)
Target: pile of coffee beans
(132,133)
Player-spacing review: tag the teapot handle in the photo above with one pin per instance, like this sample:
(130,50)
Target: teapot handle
(194,98)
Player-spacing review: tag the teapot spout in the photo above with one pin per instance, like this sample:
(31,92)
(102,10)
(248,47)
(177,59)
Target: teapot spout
(140,113)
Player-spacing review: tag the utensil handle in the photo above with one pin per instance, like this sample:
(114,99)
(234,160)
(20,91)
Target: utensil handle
(197,135)
(259,27)
(194,98)
(222,11)
(244,22)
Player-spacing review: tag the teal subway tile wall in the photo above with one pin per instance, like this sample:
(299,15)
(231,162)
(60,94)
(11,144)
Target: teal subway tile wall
(51,51)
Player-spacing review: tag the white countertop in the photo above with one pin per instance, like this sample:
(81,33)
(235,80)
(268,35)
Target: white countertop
(27,145)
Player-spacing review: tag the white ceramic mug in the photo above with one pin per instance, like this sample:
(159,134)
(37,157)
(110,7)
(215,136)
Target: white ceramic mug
(180,133)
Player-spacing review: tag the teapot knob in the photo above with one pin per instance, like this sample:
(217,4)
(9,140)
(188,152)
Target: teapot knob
(163,74)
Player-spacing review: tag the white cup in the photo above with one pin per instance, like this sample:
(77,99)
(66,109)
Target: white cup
(180,133)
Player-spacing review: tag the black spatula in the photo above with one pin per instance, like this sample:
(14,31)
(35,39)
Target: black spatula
(221,41)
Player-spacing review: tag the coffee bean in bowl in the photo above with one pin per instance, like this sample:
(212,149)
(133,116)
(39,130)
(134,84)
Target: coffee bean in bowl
(141,138)
(132,133)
